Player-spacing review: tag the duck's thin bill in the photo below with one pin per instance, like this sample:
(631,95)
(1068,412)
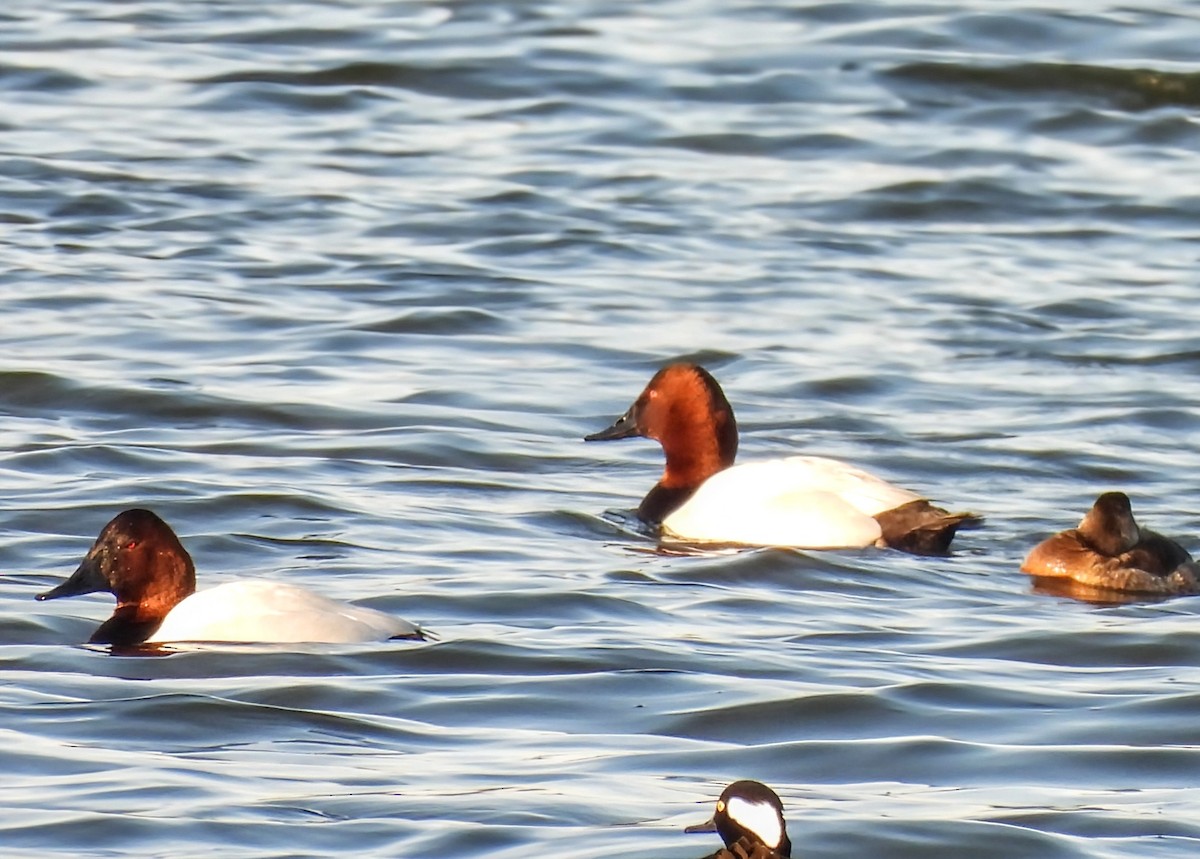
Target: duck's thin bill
(86,579)
(624,427)
(709,825)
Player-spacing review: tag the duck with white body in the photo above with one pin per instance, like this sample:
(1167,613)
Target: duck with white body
(140,560)
(807,502)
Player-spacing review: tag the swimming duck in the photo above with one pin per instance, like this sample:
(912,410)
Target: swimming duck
(1110,550)
(138,559)
(749,819)
(807,502)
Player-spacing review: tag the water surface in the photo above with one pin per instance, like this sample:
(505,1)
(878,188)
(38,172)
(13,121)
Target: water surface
(338,287)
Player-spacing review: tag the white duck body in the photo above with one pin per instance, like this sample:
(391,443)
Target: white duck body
(263,611)
(806,502)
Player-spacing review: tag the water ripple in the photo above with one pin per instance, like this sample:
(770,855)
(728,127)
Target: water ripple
(339,288)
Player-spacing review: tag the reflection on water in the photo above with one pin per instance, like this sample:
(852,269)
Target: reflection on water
(1058,587)
(339,288)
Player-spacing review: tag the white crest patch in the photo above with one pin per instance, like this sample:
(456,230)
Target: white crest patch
(761,818)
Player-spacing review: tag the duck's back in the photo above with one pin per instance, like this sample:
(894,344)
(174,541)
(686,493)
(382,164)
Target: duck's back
(803,501)
(263,611)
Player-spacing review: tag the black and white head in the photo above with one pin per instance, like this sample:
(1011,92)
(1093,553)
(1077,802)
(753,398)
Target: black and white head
(749,810)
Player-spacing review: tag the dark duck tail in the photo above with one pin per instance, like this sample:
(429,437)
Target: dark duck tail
(920,528)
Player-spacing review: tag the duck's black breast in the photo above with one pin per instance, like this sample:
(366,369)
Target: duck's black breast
(661,501)
(746,848)
(123,629)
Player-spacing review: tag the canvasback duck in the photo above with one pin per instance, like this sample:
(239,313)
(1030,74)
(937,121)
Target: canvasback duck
(139,560)
(749,819)
(1110,550)
(806,502)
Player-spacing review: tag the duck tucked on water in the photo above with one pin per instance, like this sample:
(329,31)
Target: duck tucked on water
(1110,550)
(138,559)
(807,502)
(749,819)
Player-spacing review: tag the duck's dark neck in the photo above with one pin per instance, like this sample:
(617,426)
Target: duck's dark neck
(700,446)
(692,458)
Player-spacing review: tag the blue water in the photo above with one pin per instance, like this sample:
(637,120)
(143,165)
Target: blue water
(338,287)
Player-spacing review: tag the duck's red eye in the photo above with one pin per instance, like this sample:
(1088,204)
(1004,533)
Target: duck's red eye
(132,544)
